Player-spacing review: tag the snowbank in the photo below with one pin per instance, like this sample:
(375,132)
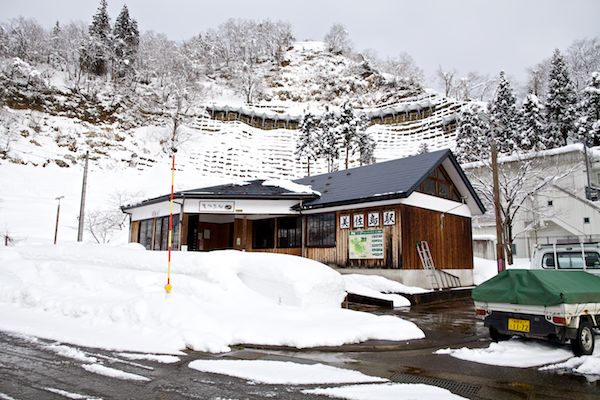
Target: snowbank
(380,288)
(113,297)
(386,392)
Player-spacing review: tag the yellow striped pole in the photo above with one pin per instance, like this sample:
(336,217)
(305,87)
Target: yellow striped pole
(168,286)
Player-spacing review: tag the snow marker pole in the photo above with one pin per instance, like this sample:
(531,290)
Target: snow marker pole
(168,286)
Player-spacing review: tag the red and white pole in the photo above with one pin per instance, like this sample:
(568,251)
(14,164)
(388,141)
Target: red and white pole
(168,286)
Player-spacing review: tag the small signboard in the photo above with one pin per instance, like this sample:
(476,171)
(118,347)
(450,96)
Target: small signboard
(365,244)
(217,206)
(344,221)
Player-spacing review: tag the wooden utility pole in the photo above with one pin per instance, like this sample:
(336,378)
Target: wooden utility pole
(82,204)
(499,231)
(57,217)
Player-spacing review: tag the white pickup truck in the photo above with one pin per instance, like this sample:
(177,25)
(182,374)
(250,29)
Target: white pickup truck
(568,257)
(543,304)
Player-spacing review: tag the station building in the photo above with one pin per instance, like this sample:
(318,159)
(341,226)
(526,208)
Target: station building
(365,220)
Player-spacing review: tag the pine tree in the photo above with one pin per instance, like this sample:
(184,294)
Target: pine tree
(96,49)
(55,44)
(366,144)
(588,124)
(352,127)
(472,138)
(307,146)
(423,148)
(503,116)
(561,102)
(328,140)
(532,125)
(126,42)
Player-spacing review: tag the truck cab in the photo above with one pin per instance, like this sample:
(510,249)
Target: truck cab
(568,257)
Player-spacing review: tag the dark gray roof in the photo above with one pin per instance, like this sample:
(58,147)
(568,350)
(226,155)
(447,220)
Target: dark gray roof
(250,190)
(381,181)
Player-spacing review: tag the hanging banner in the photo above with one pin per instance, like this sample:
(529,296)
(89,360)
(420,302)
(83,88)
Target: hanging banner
(366,244)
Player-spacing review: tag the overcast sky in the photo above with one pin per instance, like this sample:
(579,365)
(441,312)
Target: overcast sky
(469,35)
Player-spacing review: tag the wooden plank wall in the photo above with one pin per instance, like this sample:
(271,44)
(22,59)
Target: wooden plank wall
(449,238)
(339,255)
(134,236)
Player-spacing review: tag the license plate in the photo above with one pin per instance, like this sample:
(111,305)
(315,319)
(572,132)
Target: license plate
(519,325)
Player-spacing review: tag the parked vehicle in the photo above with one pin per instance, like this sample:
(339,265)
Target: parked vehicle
(553,305)
(568,257)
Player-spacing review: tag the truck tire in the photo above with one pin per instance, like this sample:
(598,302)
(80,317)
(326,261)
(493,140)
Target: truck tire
(583,344)
(497,336)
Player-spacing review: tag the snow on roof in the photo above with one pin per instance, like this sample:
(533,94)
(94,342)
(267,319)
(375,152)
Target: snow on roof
(290,186)
(570,148)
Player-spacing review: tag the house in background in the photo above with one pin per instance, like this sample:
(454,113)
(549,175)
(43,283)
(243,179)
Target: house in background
(566,210)
(366,219)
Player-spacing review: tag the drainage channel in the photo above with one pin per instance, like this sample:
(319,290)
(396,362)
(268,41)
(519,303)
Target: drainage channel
(461,389)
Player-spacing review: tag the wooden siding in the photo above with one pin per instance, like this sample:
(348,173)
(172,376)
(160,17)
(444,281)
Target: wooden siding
(449,238)
(134,233)
(339,255)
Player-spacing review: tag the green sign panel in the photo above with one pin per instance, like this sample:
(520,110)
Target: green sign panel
(365,245)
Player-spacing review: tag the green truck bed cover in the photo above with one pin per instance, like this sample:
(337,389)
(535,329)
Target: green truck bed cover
(539,287)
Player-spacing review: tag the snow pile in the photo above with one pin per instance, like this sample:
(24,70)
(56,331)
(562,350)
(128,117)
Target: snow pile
(379,287)
(512,353)
(589,366)
(484,269)
(113,297)
(386,392)
(113,373)
(282,372)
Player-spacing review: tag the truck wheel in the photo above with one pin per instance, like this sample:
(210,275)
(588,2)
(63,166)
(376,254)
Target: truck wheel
(497,336)
(583,344)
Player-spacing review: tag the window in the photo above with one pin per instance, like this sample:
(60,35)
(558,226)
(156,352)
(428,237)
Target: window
(321,230)
(161,233)
(289,232)
(572,260)
(439,184)
(146,233)
(263,233)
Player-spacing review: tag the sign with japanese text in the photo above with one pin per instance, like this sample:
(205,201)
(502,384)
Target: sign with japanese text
(344,221)
(217,206)
(389,218)
(366,244)
(358,220)
(373,219)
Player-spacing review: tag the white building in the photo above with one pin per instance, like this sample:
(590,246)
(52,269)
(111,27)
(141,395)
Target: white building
(558,213)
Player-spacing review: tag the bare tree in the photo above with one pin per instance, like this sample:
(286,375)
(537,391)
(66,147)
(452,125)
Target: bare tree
(520,180)
(446,78)
(403,66)
(583,57)
(338,40)
(103,224)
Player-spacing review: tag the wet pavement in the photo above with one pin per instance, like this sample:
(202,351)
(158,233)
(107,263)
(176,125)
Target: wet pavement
(29,370)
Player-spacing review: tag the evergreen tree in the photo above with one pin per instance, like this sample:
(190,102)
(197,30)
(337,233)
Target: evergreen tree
(366,144)
(472,138)
(532,125)
(423,148)
(561,102)
(96,49)
(588,124)
(307,145)
(55,57)
(503,116)
(351,128)
(126,42)
(328,141)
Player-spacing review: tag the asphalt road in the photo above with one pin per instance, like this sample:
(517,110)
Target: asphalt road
(29,370)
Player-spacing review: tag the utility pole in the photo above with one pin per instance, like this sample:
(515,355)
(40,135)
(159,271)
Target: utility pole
(57,216)
(82,204)
(499,234)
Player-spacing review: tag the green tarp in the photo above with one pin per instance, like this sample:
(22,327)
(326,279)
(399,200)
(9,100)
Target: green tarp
(539,288)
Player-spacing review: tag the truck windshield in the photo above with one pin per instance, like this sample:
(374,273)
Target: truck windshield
(571,260)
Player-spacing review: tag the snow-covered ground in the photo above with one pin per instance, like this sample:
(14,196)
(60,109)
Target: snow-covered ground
(380,288)
(484,269)
(519,353)
(113,297)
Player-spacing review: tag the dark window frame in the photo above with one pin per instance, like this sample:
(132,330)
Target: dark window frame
(289,235)
(321,230)
(266,228)
(437,180)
